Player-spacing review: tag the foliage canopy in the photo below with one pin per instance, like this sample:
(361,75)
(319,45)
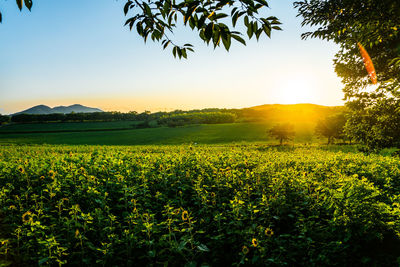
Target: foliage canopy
(331,127)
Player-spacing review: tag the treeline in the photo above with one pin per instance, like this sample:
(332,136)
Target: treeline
(180,119)
(76,117)
(172,119)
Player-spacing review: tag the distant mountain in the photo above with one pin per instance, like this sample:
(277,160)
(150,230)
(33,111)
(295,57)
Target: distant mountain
(43,109)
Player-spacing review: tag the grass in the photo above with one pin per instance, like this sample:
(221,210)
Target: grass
(201,134)
(66,126)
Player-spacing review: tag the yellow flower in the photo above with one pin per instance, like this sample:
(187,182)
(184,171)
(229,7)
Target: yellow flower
(185,215)
(28,213)
(42,177)
(245,250)
(21,170)
(269,232)
(12,207)
(52,173)
(76,233)
(254,242)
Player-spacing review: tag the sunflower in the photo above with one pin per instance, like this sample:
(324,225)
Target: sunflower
(52,173)
(20,169)
(185,215)
(26,214)
(254,242)
(269,232)
(245,250)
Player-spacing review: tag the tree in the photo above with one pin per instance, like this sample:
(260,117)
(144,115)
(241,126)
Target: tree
(210,19)
(376,26)
(282,132)
(377,126)
(331,127)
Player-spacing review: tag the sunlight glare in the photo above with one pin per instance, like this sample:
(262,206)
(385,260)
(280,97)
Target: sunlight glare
(298,89)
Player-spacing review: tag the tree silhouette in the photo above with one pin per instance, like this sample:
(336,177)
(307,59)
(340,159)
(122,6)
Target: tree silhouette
(331,127)
(282,132)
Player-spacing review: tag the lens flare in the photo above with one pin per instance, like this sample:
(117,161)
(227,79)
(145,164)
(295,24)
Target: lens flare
(368,64)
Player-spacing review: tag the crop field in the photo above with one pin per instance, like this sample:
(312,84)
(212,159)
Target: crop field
(201,134)
(197,205)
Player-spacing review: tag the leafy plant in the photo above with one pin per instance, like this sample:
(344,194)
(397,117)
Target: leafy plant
(203,205)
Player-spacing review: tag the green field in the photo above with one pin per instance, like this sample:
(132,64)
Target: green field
(201,134)
(203,205)
(66,126)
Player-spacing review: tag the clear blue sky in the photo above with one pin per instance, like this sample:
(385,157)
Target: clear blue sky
(67,52)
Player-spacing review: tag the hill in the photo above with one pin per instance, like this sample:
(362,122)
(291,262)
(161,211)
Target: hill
(43,109)
(291,112)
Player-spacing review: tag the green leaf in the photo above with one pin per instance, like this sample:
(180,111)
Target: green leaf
(239,39)
(127,7)
(226,40)
(250,31)
(203,248)
(19,3)
(28,4)
(209,31)
(166,44)
(43,260)
(234,19)
(267,30)
(184,54)
(220,16)
(258,33)
(167,6)
(246,21)
(147,9)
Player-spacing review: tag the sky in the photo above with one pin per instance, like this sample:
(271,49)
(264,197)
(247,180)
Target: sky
(78,52)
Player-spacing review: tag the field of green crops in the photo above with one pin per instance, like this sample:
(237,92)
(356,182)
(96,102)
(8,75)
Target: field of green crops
(197,206)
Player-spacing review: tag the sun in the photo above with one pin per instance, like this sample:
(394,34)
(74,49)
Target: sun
(296,89)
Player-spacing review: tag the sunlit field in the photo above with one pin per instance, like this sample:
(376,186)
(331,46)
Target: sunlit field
(201,134)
